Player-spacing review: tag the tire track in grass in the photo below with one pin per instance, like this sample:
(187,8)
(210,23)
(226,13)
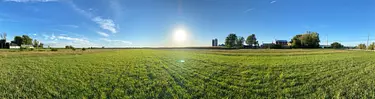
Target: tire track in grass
(327,76)
(176,86)
(183,71)
(354,74)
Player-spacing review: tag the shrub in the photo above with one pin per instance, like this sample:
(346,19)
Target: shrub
(74,49)
(83,49)
(54,49)
(276,46)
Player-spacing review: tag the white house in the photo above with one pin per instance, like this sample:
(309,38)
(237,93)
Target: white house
(27,46)
(14,46)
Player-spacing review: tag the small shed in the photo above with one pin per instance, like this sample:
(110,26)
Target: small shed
(14,46)
(27,46)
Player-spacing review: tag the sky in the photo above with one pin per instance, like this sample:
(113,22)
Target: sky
(152,23)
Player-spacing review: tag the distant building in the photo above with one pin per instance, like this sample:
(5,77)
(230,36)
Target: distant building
(27,46)
(325,46)
(214,42)
(3,43)
(281,42)
(14,46)
(266,45)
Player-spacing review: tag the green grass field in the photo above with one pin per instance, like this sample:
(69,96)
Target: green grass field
(141,73)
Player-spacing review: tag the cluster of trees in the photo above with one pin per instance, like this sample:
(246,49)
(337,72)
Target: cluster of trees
(232,41)
(370,47)
(306,40)
(71,47)
(26,40)
(337,45)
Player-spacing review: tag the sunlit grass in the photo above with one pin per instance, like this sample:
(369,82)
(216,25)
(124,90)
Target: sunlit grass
(202,74)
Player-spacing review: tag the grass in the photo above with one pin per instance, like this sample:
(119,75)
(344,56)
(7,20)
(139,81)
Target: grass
(203,74)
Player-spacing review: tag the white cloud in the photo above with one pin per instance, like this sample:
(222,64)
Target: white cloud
(273,1)
(47,37)
(106,24)
(62,40)
(116,42)
(73,39)
(102,34)
(83,12)
(24,1)
(248,10)
(70,26)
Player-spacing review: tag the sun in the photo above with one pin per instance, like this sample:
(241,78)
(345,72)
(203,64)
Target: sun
(180,35)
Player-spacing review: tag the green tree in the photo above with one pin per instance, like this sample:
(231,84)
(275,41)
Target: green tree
(41,45)
(296,42)
(306,40)
(18,40)
(251,40)
(230,41)
(239,42)
(361,46)
(26,40)
(36,43)
(371,46)
(337,45)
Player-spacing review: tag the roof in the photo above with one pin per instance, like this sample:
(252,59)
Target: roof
(13,44)
(281,40)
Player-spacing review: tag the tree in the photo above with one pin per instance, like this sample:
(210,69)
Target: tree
(296,42)
(36,43)
(361,46)
(251,40)
(230,41)
(371,46)
(69,47)
(26,40)
(306,40)
(18,40)
(41,45)
(336,45)
(4,36)
(239,42)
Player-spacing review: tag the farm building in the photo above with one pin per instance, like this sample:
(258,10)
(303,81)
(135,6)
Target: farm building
(281,42)
(266,45)
(27,46)
(14,46)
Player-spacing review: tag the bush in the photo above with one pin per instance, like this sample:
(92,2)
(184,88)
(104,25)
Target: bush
(83,49)
(54,49)
(276,46)
(361,46)
(74,49)
(41,50)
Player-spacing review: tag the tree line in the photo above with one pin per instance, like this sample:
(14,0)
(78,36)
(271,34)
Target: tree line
(308,39)
(232,41)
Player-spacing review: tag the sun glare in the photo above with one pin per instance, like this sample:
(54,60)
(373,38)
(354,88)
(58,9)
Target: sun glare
(180,35)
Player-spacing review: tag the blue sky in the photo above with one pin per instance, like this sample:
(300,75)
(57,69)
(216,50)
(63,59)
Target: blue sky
(116,23)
